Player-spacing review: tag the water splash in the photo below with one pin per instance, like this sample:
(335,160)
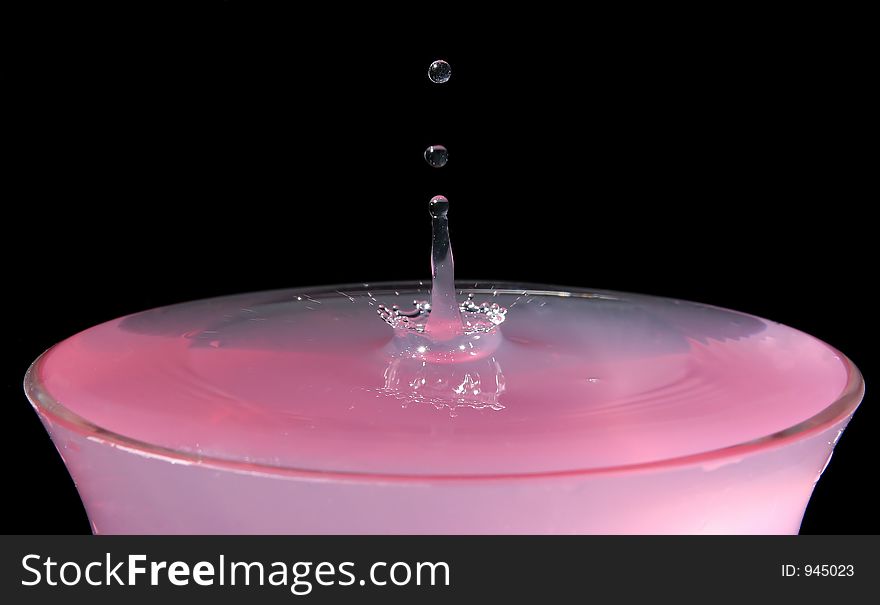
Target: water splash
(443,318)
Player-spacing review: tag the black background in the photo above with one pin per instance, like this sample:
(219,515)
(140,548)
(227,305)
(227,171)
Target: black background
(234,152)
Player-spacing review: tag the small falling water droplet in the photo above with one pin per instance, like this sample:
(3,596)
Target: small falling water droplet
(439,72)
(437,156)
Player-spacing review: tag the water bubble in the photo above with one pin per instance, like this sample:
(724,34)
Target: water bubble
(436,156)
(439,72)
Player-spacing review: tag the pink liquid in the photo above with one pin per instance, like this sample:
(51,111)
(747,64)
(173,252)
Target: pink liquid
(300,412)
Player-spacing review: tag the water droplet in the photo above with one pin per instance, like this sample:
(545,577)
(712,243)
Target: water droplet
(439,206)
(439,72)
(436,156)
